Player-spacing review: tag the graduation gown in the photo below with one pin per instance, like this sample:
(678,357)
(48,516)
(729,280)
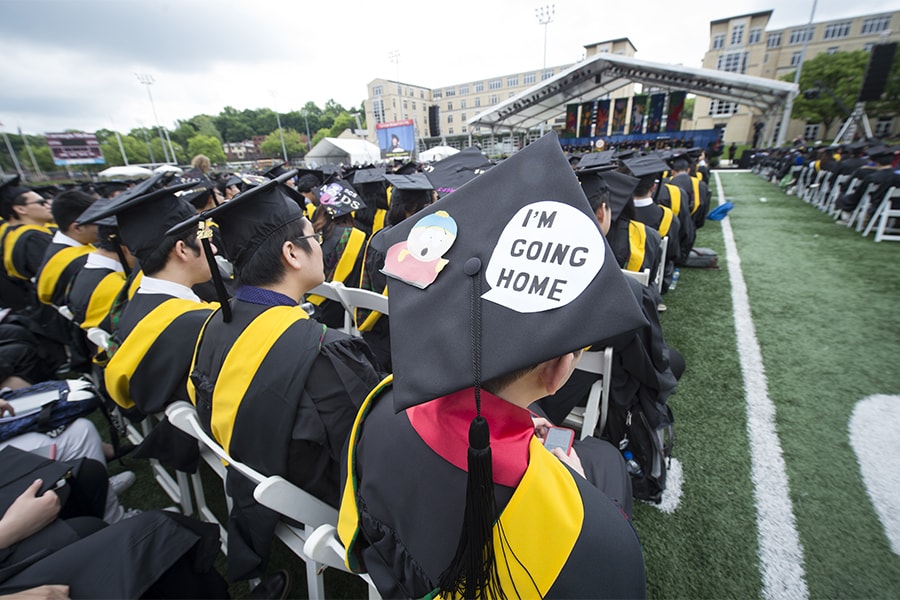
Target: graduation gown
(404,500)
(635,246)
(343,252)
(23,249)
(59,267)
(374,326)
(671,196)
(279,392)
(662,219)
(91,297)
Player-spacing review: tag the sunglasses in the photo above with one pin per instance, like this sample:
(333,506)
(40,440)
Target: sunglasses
(42,202)
(318,237)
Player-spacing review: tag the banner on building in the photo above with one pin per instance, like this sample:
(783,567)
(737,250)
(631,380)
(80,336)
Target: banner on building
(657,103)
(676,107)
(571,120)
(586,120)
(601,121)
(620,108)
(396,139)
(75,148)
(638,113)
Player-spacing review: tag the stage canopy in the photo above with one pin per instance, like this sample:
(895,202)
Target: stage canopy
(597,76)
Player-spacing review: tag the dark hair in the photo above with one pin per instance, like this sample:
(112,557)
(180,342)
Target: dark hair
(107,238)
(68,206)
(264,266)
(644,186)
(154,261)
(407,201)
(307,182)
(598,198)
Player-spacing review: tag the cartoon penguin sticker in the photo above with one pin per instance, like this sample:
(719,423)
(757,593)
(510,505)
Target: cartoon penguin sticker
(418,260)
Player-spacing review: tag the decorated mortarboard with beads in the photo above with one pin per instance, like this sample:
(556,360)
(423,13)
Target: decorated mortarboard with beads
(338,198)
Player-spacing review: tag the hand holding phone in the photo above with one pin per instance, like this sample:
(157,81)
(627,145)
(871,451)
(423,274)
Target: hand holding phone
(559,437)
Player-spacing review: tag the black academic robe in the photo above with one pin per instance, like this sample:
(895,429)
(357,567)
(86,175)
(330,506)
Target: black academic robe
(670,195)
(342,252)
(404,500)
(883,178)
(23,249)
(279,392)
(635,246)
(662,219)
(91,296)
(374,326)
(60,265)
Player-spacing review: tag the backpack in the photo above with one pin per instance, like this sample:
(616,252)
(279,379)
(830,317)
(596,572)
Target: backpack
(47,407)
(702,258)
(647,433)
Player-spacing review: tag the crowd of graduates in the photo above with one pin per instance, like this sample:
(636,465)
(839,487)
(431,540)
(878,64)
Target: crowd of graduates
(204,282)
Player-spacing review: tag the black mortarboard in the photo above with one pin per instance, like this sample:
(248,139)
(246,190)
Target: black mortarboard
(197,195)
(373,175)
(144,217)
(623,154)
(308,179)
(452,172)
(406,168)
(339,198)
(98,206)
(621,189)
(541,267)
(880,150)
(275,171)
(645,165)
(596,159)
(416,181)
(10,188)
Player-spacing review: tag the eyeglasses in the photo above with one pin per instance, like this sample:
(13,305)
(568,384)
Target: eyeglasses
(318,237)
(42,202)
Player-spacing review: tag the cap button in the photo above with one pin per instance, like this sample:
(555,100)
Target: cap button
(472,266)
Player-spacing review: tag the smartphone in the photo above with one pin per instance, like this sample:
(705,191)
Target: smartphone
(559,437)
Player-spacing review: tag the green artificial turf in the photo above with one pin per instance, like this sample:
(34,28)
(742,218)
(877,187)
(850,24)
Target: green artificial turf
(824,303)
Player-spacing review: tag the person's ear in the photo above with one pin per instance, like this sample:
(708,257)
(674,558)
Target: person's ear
(291,255)
(555,372)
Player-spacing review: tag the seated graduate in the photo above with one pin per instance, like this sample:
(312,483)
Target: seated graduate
(879,173)
(448,489)
(278,390)
(408,195)
(372,187)
(27,229)
(670,196)
(51,535)
(343,245)
(693,188)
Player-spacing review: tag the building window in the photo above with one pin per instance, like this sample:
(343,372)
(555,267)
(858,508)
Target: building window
(414,105)
(449,106)
(449,118)
(479,87)
(463,128)
(450,130)
(512,81)
(547,74)
(766,58)
(462,103)
(463,116)
(495,84)
(493,98)
(875,24)
(720,108)
(405,105)
(884,126)
(733,62)
(737,35)
(378,110)
(868,47)
(377,90)
(511,94)
(774,40)
(421,94)
(529,78)
(477,102)
(835,31)
(833,50)
(464,89)
(718,41)
(755,35)
(799,36)
(449,92)
(437,95)
(795,58)
(811,131)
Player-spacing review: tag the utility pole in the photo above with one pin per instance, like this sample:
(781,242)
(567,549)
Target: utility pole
(544,16)
(147,79)
(37,169)
(280,130)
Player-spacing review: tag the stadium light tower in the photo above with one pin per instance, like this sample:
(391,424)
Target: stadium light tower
(544,16)
(147,79)
(280,130)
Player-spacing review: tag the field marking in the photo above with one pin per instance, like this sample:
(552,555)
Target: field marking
(780,552)
(874,430)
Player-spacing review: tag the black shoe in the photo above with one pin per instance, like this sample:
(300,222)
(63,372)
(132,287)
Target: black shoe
(276,586)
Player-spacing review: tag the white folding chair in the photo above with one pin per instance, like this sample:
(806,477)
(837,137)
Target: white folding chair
(273,492)
(325,547)
(330,290)
(833,194)
(661,269)
(354,298)
(834,210)
(813,188)
(642,276)
(587,418)
(859,214)
(883,215)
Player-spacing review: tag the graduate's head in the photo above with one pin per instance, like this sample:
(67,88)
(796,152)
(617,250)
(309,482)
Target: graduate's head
(411,193)
(20,203)
(67,208)
(529,279)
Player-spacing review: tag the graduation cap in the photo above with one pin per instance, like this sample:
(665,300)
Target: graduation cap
(642,166)
(145,213)
(368,176)
(720,212)
(307,179)
(245,222)
(610,186)
(98,206)
(10,189)
(339,198)
(597,159)
(623,154)
(406,168)
(880,150)
(202,188)
(415,181)
(520,272)
(451,173)
(274,171)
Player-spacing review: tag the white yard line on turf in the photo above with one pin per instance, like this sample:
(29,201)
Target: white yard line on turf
(780,551)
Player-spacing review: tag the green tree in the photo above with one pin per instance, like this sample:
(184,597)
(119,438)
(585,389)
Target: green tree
(233,125)
(207,145)
(44,158)
(837,75)
(294,143)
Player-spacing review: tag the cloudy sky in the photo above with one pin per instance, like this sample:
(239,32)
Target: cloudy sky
(71,64)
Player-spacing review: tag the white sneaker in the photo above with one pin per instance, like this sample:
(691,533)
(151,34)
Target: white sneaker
(121,482)
(131,512)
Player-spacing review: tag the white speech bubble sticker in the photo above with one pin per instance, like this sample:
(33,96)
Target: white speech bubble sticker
(547,255)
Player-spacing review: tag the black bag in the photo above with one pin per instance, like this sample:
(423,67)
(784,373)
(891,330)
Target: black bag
(702,258)
(648,435)
(47,406)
